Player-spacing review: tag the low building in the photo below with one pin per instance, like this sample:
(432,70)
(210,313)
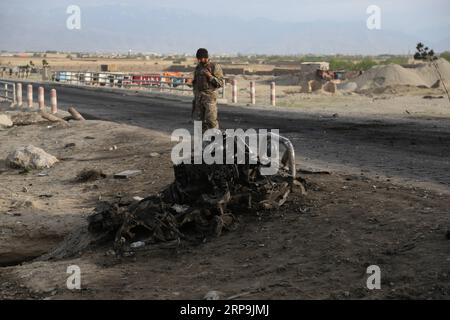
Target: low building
(310,67)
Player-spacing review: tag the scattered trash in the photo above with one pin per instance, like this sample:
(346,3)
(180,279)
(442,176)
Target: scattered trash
(45,196)
(433,97)
(213,295)
(138,244)
(180,209)
(304,171)
(127,174)
(69,145)
(89,175)
(154,154)
(42,174)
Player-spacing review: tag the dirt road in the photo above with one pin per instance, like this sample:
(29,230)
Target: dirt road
(407,149)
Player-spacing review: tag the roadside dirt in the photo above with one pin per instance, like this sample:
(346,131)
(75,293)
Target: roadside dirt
(317,246)
(47,204)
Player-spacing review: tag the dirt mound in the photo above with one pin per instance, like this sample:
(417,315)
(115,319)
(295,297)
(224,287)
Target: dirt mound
(389,75)
(393,75)
(429,75)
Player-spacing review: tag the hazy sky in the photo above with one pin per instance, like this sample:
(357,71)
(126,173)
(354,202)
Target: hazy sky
(424,19)
(398,13)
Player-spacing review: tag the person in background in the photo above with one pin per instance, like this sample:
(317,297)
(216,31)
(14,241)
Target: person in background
(208,78)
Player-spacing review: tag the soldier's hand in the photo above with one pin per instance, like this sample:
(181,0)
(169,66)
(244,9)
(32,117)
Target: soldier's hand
(207,74)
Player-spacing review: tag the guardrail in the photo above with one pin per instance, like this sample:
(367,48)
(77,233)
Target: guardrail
(151,82)
(8,91)
(13,92)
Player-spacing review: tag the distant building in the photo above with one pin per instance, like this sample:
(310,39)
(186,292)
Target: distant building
(310,67)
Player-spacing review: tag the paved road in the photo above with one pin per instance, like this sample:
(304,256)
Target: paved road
(411,150)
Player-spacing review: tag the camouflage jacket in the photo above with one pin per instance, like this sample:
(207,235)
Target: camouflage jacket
(201,83)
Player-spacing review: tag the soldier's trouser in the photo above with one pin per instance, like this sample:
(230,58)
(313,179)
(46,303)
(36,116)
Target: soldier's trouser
(206,110)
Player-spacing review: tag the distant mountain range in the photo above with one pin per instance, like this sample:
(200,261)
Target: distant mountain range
(111,28)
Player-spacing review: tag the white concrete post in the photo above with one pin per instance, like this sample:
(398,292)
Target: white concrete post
(224,89)
(234,91)
(273,96)
(14,94)
(6,90)
(53,101)
(41,100)
(19,95)
(30,95)
(252,92)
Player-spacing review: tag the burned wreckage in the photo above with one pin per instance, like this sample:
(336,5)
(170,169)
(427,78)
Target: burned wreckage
(203,201)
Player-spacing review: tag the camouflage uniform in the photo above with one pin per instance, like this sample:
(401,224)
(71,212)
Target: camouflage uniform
(205,94)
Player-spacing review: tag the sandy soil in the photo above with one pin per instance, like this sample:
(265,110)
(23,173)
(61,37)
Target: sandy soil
(35,206)
(317,246)
(59,62)
(396,100)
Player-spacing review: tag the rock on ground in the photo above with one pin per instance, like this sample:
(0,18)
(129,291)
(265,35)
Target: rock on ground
(30,157)
(5,121)
(347,86)
(26,118)
(314,85)
(330,87)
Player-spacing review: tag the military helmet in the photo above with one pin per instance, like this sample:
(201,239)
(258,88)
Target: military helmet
(202,53)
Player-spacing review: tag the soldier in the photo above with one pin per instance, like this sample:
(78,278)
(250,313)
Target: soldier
(208,78)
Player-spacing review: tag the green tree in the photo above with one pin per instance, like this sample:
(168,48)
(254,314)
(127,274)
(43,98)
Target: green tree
(396,60)
(446,55)
(339,64)
(426,54)
(365,64)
